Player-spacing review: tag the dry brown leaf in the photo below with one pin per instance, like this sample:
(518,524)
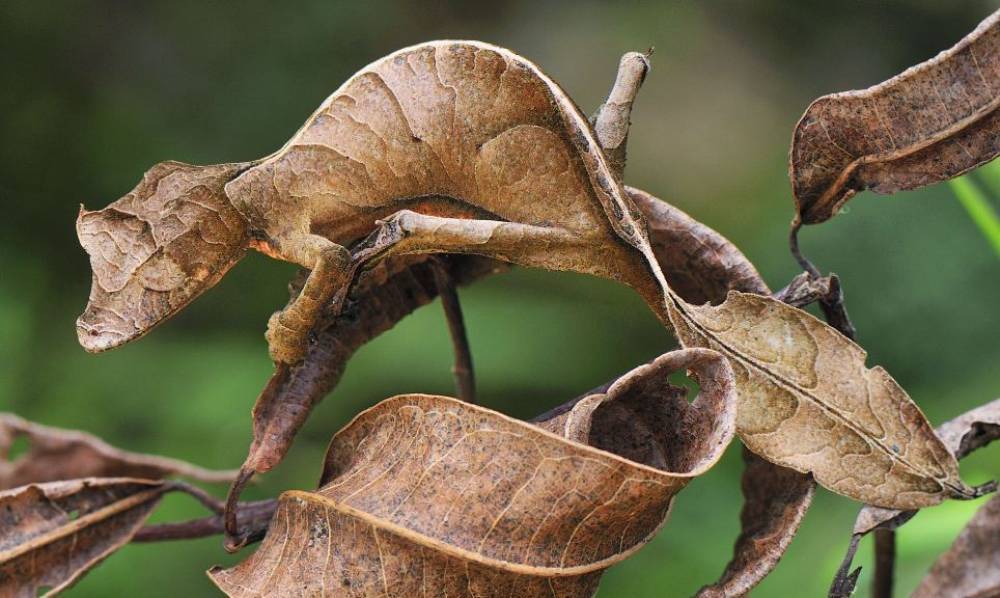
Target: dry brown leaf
(424,493)
(775,501)
(57,454)
(962,435)
(699,264)
(808,402)
(971,567)
(930,123)
(51,534)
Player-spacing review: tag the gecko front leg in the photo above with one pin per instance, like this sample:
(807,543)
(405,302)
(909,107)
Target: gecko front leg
(329,278)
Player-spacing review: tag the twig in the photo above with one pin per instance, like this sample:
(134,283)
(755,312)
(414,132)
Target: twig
(845,579)
(255,515)
(234,540)
(793,244)
(210,502)
(465,380)
(885,563)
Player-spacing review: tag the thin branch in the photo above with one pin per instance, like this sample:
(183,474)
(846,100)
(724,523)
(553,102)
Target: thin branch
(234,540)
(885,563)
(793,244)
(465,379)
(255,516)
(213,504)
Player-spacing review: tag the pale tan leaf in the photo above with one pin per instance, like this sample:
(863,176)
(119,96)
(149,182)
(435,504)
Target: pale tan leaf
(808,402)
(424,493)
(971,567)
(930,123)
(962,435)
(57,454)
(51,534)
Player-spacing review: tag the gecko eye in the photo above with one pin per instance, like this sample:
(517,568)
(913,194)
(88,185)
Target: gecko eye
(156,249)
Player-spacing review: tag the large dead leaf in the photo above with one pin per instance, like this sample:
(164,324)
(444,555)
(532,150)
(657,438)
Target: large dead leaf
(430,494)
(930,123)
(51,534)
(962,435)
(808,402)
(698,263)
(971,567)
(56,454)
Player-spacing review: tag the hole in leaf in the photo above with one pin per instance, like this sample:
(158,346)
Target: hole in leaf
(20,445)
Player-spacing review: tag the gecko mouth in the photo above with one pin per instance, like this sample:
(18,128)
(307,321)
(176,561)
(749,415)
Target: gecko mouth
(155,250)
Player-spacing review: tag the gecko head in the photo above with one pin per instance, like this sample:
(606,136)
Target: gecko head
(153,251)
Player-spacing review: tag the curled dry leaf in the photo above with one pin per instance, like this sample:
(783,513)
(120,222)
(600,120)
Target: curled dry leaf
(424,493)
(699,264)
(51,534)
(57,454)
(971,567)
(775,501)
(930,123)
(962,435)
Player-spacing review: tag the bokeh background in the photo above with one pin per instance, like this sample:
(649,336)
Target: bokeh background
(93,93)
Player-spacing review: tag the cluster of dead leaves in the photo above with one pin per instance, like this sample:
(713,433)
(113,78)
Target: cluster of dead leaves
(468,150)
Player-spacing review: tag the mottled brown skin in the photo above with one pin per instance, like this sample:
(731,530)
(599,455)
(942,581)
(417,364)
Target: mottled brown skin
(455,147)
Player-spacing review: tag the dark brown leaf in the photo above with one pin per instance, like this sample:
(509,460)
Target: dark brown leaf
(431,494)
(775,501)
(699,264)
(56,454)
(51,534)
(971,567)
(930,123)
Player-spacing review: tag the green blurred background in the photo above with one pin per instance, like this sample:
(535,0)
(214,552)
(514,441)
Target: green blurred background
(91,94)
